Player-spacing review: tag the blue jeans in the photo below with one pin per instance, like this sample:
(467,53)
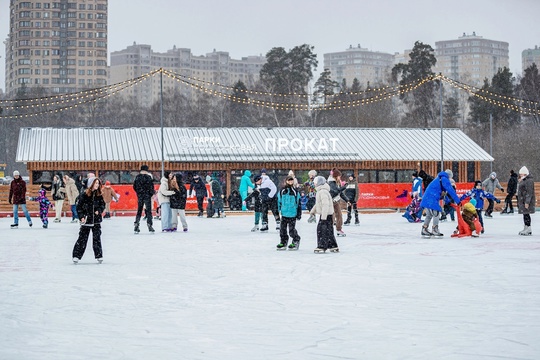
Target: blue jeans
(74,215)
(165,216)
(16,213)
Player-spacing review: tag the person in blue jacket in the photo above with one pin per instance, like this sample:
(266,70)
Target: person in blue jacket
(245,183)
(290,208)
(431,202)
(479,195)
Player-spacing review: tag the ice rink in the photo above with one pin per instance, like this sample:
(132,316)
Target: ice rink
(220,291)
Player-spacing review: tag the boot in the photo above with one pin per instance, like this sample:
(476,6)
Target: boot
(348,221)
(137,229)
(264,227)
(425,231)
(356,221)
(511,211)
(435,231)
(151,229)
(505,210)
(526,231)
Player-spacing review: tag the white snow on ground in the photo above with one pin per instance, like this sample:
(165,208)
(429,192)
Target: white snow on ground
(222,292)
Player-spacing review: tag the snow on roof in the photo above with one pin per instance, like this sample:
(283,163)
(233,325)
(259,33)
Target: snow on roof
(245,144)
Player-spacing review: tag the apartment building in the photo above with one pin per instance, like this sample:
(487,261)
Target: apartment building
(214,67)
(60,46)
(367,66)
(529,57)
(471,58)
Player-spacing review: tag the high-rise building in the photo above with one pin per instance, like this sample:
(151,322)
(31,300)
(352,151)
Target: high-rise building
(471,58)
(529,57)
(60,46)
(214,67)
(360,63)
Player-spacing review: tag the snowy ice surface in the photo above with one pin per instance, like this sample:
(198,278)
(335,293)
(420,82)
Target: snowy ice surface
(222,292)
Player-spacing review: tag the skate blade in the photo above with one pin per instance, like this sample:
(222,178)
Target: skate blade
(319,251)
(334,250)
(281,249)
(426,236)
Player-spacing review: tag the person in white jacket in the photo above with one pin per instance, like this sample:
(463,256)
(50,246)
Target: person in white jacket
(269,202)
(324,206)
(164,194)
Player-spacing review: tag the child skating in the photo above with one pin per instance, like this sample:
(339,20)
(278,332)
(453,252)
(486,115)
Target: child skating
(290,208)
(44,205)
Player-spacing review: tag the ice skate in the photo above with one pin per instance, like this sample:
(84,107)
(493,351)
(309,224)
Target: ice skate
(347,222)
(341,233)
(255,228)
(136,230)
(281,246)
(311,219)
(488,215)
(425,232)
(511,211)
(334,250)
(74,221)
(319,251)
(294,245)
(57,220)
(526,231)
(30,224)
(99,260)
(264,227)
(435,231)
(75,260)
(278,225)
(185,229)
(151,229)
(357,222)
(14,226)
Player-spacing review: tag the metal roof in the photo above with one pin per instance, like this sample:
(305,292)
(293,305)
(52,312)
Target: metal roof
(245,144)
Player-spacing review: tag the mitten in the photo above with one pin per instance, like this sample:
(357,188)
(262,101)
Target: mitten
(502,189)
(498,201)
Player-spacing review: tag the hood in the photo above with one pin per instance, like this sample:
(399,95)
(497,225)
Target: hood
(443,174)
(247,173)
(493,174)
(165,181)
(514,175)
(323,187)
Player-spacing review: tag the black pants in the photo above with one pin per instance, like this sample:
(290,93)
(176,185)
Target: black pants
(80,245)
(489,209)
(325,233)
(352,206)
(200,201)
(508,201)
(147,203)
(287,222)
(527,219)
(272,205)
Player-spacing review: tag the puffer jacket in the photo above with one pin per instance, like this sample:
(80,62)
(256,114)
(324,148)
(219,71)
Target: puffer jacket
(71,191)
(526,195)
(432,195)
(164,193)
(323,203)
(88,205)
(17,191)
(490,184)
(178,199)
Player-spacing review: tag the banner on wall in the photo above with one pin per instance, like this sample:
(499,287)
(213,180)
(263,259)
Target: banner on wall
(372,196)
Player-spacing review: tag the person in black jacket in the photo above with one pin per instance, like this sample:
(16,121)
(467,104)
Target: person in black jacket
(337,192)
(144,187)
(258,206)
(198,189)
(511,190)
(178,202)
(90,207)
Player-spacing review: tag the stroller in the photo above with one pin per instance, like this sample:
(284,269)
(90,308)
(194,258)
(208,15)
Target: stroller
(463,229)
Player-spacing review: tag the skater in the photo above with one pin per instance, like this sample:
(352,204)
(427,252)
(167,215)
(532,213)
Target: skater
(426,178)
(295,180)
(44,205)
(245,183)
(164,194)
(269,201)
(489,185)
(290,208)
(144,187)
(324,206)
(352,192)
(470,220)
(448,209)
(17,197)
(90,207)
(256,197)
(337,193)
(178,203)
(108,196)
(309,188)
(526,199)
(198,190)
(431,201)
(217,197)
(511,190)
(417,190)
(479,195)
(72,194)
(58,195)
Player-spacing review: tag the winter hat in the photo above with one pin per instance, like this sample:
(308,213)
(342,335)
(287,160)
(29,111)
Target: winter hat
(415,174)
(107,182)
(524,171)
(477,182)
(257,178)
(289,177)
(90,182)
(16,173)
(351,175)
(291,173)
(42,192)
(178,177)
(493,174)
(196,177)
(144,168)
(450,173)
(473,202)
(208,178)
(312,173)
(263,171)
(512,172)
(319,180)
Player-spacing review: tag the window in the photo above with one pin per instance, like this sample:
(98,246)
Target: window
(89,62)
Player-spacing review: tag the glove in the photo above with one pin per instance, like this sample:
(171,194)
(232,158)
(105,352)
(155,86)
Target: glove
(502,189)
(10,202)
(498,201)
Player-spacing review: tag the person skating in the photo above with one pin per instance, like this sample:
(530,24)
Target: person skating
(17,197)
(479,195)
(431,201)
(108,196)
(256,197)
(338,194)
(290,210)
(217,197)
(245,184)
(511,190)
(324,206)
(164,194)
(58,196)
(309,188)
(72,194)
(90,207)
(489,185)
(144,188)
(526,199)
(351,192)
(178,203)
(44,205)
(198,190)
(269,202)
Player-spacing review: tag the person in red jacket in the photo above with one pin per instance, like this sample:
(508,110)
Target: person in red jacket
(17,197)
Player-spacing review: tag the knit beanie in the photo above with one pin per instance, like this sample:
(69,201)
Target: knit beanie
(524,171)
(312,173)
(208,178)
(16,173)
(319,180)
(450,173)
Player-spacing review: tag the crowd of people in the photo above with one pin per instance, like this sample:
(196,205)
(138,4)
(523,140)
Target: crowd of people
(432,198)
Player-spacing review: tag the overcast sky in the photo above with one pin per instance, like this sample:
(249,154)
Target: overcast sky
(246,28)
